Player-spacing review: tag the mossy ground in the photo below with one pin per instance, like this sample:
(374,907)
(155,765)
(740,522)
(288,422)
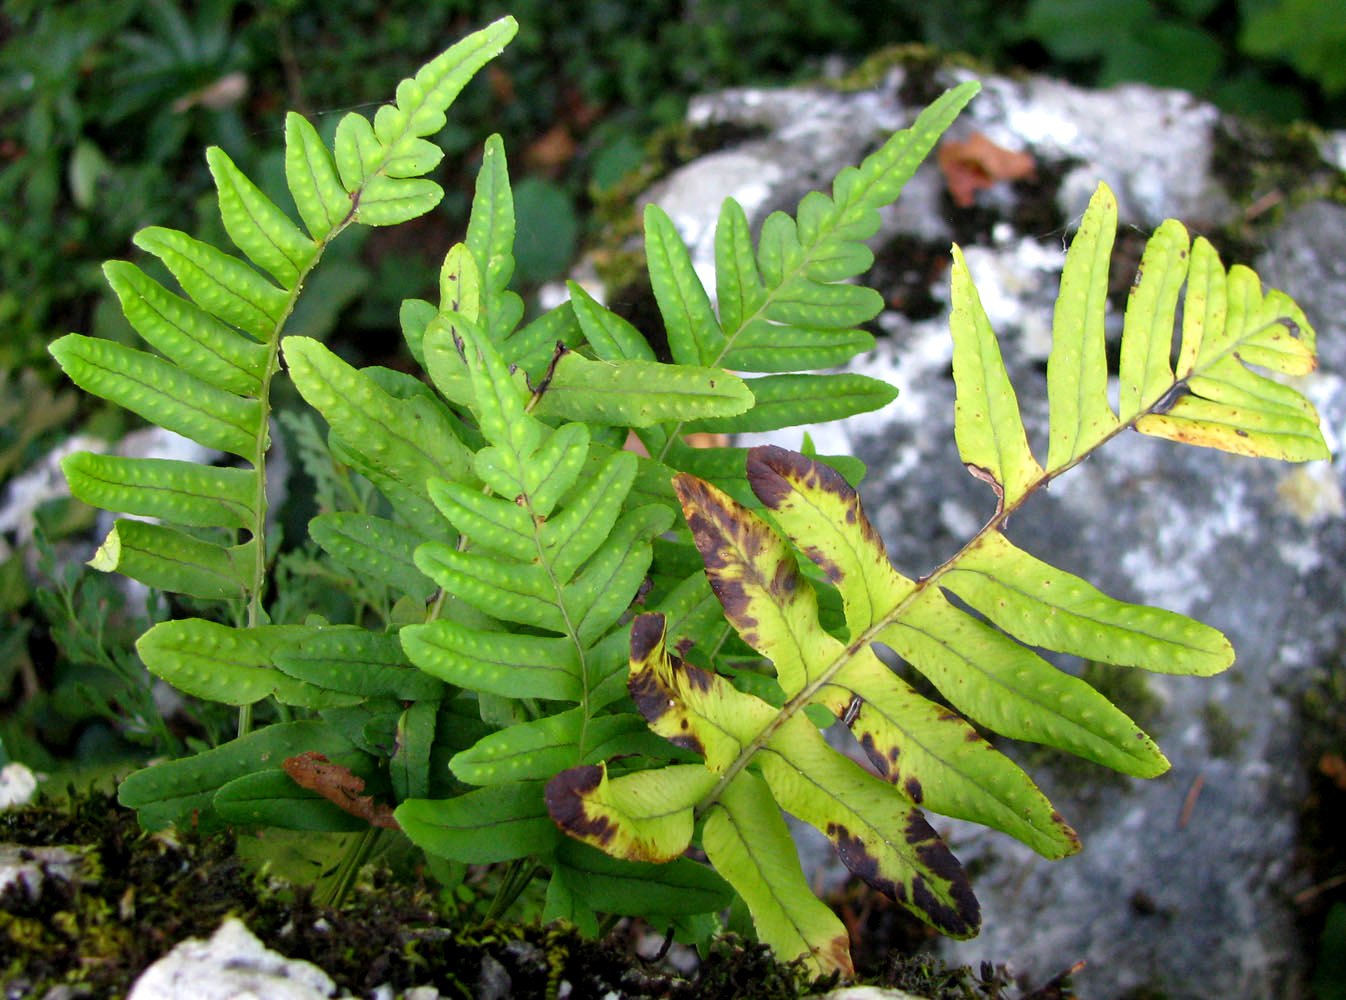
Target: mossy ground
(145,892)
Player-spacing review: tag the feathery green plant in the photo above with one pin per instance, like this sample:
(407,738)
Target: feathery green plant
(510,706)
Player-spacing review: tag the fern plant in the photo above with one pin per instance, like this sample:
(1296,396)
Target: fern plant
(560,677)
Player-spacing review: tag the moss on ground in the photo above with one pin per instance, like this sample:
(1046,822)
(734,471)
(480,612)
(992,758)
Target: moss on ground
(138,894)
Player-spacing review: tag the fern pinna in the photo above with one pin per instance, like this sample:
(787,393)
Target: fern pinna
(563,679)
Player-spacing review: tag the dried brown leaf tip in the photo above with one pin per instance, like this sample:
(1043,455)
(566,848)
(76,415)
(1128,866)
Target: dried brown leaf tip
(567,795)
(338,785)
(978,163)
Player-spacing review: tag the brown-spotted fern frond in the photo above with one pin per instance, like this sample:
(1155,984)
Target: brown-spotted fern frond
(985,666)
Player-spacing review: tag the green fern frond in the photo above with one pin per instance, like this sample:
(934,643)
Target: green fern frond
(211,379)
(788,307)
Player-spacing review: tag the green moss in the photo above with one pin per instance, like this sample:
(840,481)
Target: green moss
(1268,169)
(921,63)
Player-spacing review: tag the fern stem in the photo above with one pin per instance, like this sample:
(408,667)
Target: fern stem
(517,876)
(256,590)
(351,863)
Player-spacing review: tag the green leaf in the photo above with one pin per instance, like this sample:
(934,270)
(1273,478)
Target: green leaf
(747,841)
(359,662)
(270,798)
(414,316)
(611,337)
(790,400)
(411,762)
(510,665)
(171,560)
(526,751)
(357,152)
(788,308)
(636,888)
(422,100)
(1077,368)
(514,592)
(694,334)
(640,393)
(565,901)
(859,192)
(1043,606)
(222,285)
(186,334)
(499,823)
(231,665)
(1228,324)
(990,433)
(777,347)
(374,548)
(531,348)
(499,400)
(493,524)
(546,476)
(257,227)
(807,303)
(1002,685)
(388,201)
(490,238)
(162,393)
(405,442)
(182,492)
(586,522)
(738,287)
(323,202)
(180,791)
(1147,335)
(606,588)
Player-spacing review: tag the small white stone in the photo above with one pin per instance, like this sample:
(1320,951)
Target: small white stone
(17,785)
(232,965)
(866,993)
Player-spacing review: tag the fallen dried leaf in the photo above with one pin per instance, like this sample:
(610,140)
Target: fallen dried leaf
(977,164)
(335,783)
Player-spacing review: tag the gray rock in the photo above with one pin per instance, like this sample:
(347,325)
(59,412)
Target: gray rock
(1185,882)
(232,965)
